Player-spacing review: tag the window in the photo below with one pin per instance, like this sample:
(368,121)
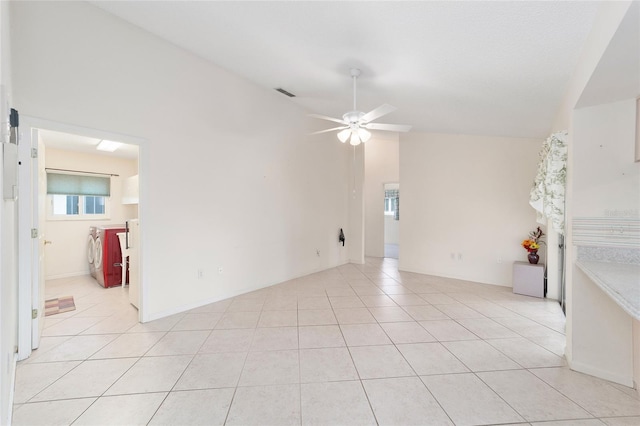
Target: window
(77,207)
(65,204)
(77,196)
(94,205)
(390,204)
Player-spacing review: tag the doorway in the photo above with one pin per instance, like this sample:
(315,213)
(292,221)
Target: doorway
(391,220)
(63,220)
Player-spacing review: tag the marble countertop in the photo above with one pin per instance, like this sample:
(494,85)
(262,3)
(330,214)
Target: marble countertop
(620,281)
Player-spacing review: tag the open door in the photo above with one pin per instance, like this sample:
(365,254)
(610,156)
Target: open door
(31,199)
(38,295)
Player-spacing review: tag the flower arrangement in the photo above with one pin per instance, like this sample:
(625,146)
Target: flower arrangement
(532,244)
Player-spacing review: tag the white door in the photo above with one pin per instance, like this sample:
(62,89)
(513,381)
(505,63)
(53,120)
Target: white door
(31,198)
(38,295)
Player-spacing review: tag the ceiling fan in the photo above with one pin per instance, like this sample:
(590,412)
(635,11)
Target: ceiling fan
(355,125)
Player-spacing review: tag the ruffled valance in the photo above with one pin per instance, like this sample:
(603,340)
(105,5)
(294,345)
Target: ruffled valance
(547,194)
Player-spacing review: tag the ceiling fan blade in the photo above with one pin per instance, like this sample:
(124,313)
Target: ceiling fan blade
(324,117)
(329,130)
(389,127)
(378,112)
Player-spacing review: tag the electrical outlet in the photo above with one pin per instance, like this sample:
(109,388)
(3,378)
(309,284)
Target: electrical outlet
(200,273)
(220,270)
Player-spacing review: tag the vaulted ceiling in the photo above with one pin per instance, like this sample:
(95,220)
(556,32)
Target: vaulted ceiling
(487,68)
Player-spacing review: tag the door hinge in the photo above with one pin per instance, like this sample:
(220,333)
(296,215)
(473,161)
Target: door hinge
(34,313)
(34,152)
(34,232)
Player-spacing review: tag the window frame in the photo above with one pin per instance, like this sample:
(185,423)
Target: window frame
(81,209)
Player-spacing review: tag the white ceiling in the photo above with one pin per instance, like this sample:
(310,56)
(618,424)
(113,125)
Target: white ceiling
(78,143)
(485,67)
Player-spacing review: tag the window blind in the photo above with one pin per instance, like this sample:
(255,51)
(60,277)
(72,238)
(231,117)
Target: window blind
(74,184)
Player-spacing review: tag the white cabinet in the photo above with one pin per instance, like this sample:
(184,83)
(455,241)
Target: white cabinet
(528,279)
(130,190)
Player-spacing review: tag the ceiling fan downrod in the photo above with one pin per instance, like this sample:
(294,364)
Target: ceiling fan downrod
(355,73)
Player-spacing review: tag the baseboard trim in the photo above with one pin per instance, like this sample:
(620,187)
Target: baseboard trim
(68,275)
(402,268)
(200,303)
(601,374)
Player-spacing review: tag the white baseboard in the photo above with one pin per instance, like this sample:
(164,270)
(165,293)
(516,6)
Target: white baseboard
(67,275)
(602,374)
(200,303)
(401,268)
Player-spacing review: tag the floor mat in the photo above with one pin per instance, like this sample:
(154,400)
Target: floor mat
(59,305)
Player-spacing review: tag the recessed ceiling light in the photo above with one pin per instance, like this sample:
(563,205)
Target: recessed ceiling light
(106,145)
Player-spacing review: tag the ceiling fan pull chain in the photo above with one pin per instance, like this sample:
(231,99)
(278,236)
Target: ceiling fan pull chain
(354,171)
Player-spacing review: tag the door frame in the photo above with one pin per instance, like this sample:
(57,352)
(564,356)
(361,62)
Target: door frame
(26,285)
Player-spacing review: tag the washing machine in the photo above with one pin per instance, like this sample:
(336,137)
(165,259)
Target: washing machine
(91,249)
(108,258)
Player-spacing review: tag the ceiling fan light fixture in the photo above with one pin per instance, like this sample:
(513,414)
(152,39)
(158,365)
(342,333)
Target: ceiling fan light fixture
(344,135)
(355,140)
(355,124)
(364,134)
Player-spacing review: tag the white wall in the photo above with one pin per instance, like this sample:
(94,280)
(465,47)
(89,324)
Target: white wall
(355,234)
(228,175)
(606,183)
(467,195)
(382,166)
(8,250)
(606,178)
(608,20)
(67,255)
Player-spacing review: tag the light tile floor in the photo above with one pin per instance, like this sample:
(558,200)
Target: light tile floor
(357,344)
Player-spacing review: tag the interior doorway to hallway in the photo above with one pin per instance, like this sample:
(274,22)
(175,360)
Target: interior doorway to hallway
(391,220)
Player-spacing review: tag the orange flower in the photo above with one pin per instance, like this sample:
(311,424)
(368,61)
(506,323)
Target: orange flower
(530,245)
(527,243)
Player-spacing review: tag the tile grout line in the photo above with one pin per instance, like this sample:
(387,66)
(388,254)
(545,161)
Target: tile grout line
(373,413)
(235,389)
(186,367)
(369,273)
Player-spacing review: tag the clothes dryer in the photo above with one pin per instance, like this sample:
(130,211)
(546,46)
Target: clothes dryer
(108,258)
(91,249)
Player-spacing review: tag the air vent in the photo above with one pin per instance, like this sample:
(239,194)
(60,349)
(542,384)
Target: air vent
(284,92)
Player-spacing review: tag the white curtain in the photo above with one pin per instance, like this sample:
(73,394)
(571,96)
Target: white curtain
(547,194)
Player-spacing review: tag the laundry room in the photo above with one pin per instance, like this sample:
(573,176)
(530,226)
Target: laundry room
(106,204)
